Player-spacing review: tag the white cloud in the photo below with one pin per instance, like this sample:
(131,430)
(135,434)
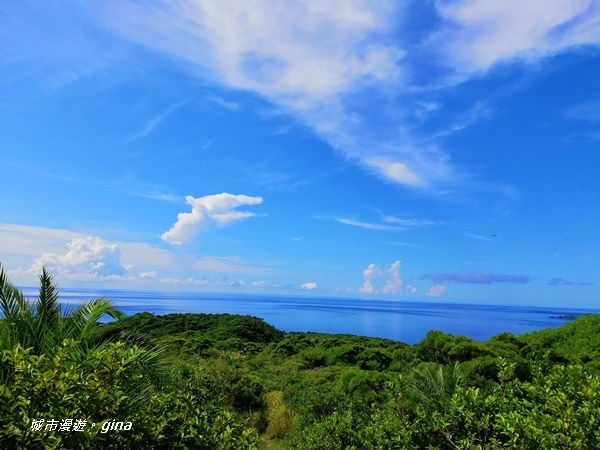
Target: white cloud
(396,171)
(370,274)
(211,210)
(410,222)
(377,281)
(309,286)
(295,52)
(394,282)
(481,33)
(309,59)
(588,111)
(411,289)
(150,274)
(76,256)
(317,60)
(85,257)
(32,241)
(436,291)
(368,225)
(153,123)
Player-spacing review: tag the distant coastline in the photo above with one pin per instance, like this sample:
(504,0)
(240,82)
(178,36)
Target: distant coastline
(565,317)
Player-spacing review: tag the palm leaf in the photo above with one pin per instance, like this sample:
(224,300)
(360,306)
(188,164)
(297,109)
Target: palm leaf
(43,327)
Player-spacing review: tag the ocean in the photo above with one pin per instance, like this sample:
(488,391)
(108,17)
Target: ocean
(402,321)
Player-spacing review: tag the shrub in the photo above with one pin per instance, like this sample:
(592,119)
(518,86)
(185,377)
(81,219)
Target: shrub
(110,384)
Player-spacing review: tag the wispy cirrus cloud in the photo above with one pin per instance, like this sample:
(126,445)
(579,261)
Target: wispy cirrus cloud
(368,225)
(314,60)
(411,222)
(129,184)
(475,277)
(478,34)
(311,61)
(154,123)
(478,237)
(327,63)
(389,223)
(588,111)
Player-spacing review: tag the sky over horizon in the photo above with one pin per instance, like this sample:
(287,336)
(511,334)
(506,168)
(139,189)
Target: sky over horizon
(425,151)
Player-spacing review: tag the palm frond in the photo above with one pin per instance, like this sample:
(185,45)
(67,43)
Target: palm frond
(47,321)
(82,322)
(18,315)
(43,327)
(11,299)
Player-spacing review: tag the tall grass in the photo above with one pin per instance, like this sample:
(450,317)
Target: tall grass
(280,419)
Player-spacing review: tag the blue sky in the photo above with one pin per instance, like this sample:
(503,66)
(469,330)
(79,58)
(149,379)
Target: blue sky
(417,150)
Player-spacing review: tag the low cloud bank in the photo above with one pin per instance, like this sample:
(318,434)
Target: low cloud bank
(475,277)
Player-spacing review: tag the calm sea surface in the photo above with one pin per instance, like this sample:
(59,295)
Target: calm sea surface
(399,320)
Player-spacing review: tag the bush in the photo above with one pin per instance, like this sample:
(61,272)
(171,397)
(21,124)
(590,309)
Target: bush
(373,359)
(313,357)
(110,385)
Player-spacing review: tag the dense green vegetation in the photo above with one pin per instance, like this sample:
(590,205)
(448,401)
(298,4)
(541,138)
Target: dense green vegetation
(235,382)
(59,368)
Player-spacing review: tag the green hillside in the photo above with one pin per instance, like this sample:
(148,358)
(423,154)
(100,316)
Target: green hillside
(222,381)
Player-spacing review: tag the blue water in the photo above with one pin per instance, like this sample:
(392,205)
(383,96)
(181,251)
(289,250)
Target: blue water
(398,320)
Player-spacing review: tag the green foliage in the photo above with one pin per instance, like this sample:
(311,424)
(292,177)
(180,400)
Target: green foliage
(214,327)
(313,357)
(373,359)
(362,386)
(316,403)
(43,324)
(233,377)
(444,348)
(576,342)
(110,384)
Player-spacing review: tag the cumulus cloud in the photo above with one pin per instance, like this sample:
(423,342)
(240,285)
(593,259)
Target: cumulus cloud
(309,286)
(388,281)
(410,289)
(85,257)
(370,274)
(76,256)
(436,291)
(475,277)
(212,210)
(394,281)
